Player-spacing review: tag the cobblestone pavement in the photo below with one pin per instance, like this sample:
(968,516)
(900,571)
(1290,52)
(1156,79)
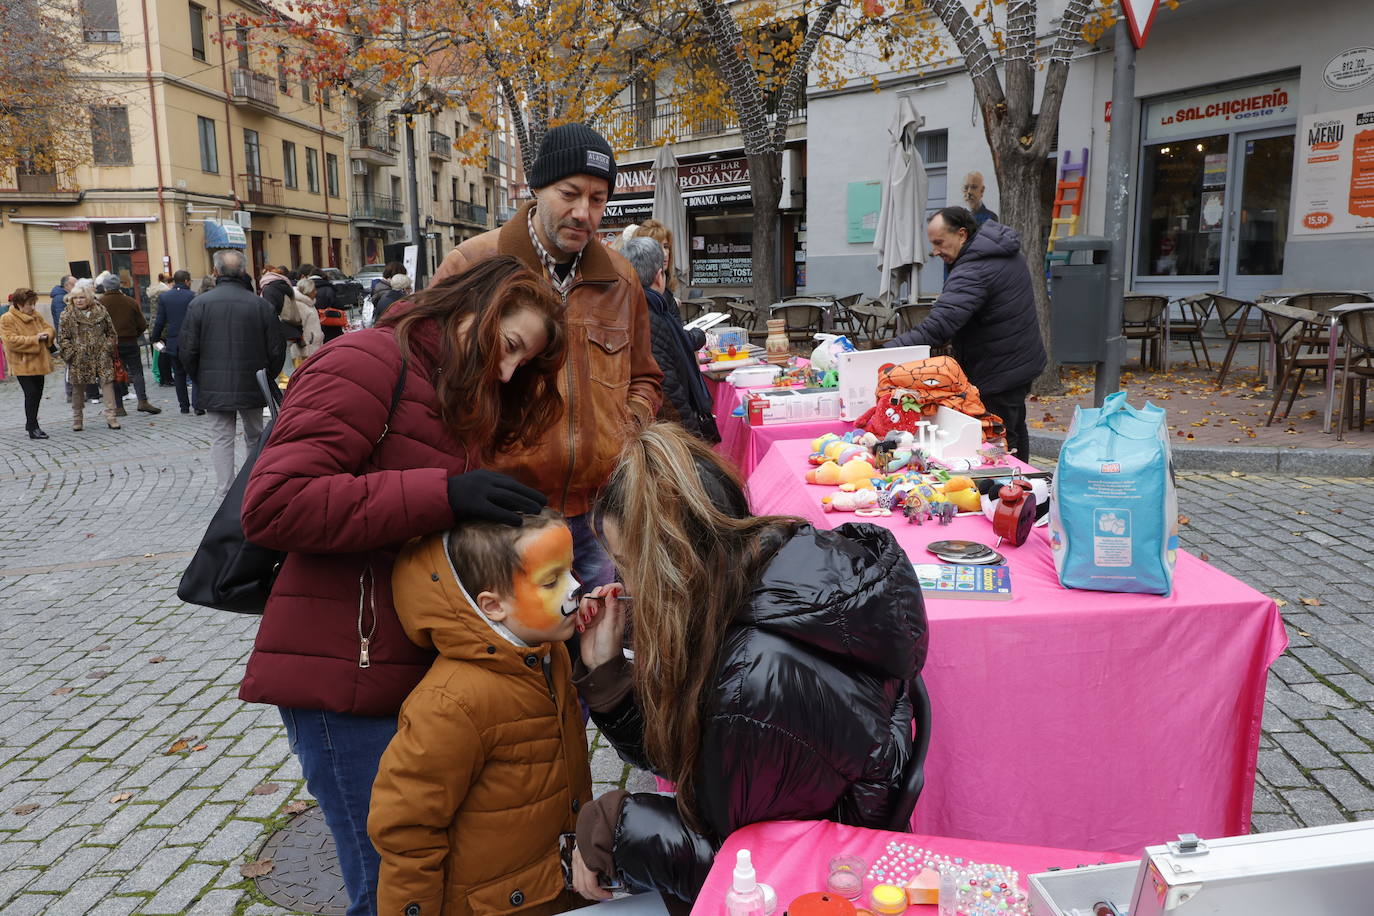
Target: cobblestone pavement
(130,775)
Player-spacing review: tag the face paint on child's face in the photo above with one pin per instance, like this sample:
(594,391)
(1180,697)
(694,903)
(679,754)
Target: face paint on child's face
(544,584)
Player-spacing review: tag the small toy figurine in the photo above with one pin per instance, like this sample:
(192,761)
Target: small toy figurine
(914,511)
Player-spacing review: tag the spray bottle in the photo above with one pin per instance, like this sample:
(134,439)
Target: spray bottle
(745,897)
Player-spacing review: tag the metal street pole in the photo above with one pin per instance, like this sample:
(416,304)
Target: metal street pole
(1120,155)
(413,179)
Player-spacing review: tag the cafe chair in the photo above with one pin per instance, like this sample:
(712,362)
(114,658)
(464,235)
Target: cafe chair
(1289,330)
(1233,315)
(873,319)
(914,779)
(1320,302)
(1357,366)
(841,318)
(803,320)
(1142,319)
(908,315)
(692,309)
(1189,327)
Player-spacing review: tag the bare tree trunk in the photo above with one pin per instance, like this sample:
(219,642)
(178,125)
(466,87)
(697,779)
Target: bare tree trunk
(765,185)
(1019,180)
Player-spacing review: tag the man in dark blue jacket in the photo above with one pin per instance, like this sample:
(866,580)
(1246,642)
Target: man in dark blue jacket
(59,299)
(987,311)
(171,312)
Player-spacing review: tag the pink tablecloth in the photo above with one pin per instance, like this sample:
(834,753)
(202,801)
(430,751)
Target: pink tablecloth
(745,445)
(1075,718)
(792,857)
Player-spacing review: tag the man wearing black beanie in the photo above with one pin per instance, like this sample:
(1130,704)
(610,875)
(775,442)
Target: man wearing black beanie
(611,385)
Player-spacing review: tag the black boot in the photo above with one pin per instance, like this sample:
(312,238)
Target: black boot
(37,433)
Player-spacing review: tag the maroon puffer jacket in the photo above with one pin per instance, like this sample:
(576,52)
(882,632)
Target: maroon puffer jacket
(341,510)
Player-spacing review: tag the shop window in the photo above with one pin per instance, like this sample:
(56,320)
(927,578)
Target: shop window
(197,31)
(1266,181)
(1183,209)
(722,251)
(100,20)
(110,136)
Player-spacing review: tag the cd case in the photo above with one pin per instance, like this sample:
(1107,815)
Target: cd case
(946,580)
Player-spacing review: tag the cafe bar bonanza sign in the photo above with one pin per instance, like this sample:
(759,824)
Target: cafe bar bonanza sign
(1335,186)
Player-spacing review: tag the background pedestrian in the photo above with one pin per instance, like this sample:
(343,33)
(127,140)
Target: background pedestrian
(28,340)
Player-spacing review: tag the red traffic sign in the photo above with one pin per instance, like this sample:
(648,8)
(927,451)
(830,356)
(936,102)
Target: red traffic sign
(1140,15)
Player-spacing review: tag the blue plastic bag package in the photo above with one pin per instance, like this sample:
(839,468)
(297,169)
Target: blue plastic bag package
(1114,511)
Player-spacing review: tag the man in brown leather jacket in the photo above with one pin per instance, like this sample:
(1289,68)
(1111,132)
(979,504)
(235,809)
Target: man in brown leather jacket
(129,322)
(611,385)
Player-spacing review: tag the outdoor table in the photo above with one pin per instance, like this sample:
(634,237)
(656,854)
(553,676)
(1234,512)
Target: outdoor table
(1337,315)
(1065,717)
(792,856)
(1278,295)
(744,444)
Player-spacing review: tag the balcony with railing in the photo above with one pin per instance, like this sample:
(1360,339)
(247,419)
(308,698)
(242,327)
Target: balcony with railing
(643,124)
(373,143)
(255,90)
(262,191)
(466,212)
(504,215)
(36,187)
(370,207)
(440,145)
(493,167)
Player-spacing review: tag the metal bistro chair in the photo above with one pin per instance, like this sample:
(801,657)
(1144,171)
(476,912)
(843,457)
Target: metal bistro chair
(872,317)
(841,318)
(1357,366)
(1289,328)
(803,320)
(1320,302)
(695,308)
(1142,319)
(1232,316)
(1190,326)
(909,315)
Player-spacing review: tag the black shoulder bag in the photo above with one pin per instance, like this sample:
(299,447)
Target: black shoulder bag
(229,572)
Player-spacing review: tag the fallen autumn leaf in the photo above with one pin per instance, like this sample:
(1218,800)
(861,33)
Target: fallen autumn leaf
(121,796)
(265,788)
(24,809)
(257,868)
(1312,602)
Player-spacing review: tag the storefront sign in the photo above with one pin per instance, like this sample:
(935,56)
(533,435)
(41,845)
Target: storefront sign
(73,225)
(1256,105)
(1350,69)
(709,174)
(629,209)
(1335,189)
(726,197)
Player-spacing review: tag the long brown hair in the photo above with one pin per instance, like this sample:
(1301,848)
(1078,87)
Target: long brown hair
(473,402)
(689,553)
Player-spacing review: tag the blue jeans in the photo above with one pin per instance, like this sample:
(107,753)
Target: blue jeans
(591,564)
(339,754)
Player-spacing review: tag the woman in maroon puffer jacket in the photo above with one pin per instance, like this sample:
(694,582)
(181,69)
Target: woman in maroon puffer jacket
(341,486)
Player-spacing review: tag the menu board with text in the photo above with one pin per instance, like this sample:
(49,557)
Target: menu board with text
(1335,185)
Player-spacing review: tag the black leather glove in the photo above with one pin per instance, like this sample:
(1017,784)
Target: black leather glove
(490,496)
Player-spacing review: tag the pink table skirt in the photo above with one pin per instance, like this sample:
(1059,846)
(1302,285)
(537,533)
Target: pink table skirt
(745,445)
(1076,718)
(792,857)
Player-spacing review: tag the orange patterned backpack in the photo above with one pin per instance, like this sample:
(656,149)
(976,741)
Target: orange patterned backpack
(914,391)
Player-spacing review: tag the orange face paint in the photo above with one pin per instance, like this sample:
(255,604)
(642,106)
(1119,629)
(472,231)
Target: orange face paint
(544,585)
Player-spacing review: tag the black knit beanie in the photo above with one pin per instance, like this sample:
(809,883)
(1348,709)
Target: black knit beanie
(573,149)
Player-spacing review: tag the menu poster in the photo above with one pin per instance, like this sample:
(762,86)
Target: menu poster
(1335,189)
(723,272)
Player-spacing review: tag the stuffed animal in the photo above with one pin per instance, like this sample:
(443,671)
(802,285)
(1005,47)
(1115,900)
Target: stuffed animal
(848,502)
(911,392)
(827,475)
(963,493)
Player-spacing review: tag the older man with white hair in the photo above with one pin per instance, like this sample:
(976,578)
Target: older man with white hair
(230,333)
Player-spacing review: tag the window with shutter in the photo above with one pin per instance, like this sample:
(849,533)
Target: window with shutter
(100,20)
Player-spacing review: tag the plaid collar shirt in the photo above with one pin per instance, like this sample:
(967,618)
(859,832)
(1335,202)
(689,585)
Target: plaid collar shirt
(563,285)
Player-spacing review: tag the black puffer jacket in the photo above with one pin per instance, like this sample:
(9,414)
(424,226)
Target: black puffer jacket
(809,717)
(685,398)
(987,309)
(229,334)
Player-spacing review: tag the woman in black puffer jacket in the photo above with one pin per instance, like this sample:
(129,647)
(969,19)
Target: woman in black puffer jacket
(770,673)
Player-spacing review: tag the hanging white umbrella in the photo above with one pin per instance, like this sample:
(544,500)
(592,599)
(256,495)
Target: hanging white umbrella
(669,208)
(900,239)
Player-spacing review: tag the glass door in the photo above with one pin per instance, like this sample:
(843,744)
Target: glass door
(1256,211)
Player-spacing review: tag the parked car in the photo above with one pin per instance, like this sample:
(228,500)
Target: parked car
(369,273)
(348,292)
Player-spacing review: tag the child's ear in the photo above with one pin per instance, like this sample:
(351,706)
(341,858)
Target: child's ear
(489,603)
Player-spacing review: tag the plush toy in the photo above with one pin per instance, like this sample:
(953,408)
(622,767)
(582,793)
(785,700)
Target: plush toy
(911,392)
(848,502)
(963,493)
(858,472)
(827,475)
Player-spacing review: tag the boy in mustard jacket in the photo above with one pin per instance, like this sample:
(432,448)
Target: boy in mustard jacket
(489,762)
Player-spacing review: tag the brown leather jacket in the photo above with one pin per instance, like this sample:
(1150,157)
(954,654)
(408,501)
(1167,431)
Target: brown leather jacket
(489,763)
(128,318)
(611,385)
